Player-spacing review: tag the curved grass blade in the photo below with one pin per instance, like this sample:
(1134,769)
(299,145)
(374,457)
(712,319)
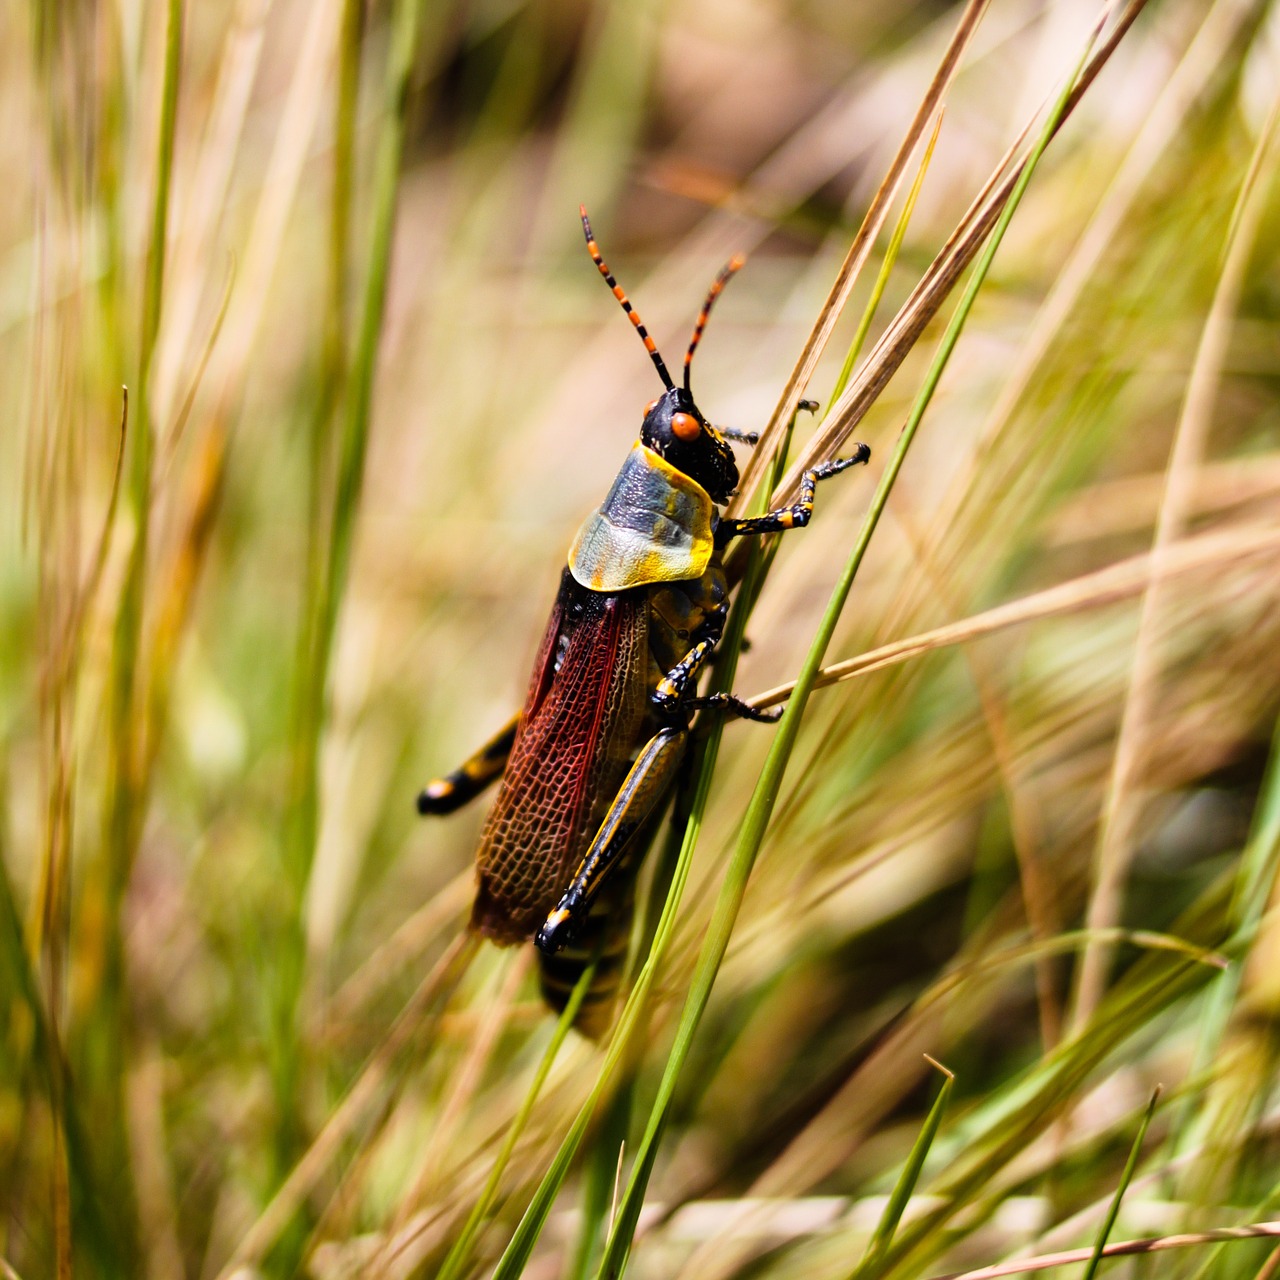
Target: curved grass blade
(1118,822)
(1122,1249)
(907,1179)
(1007,1124)
(1125,1178)
(760,810)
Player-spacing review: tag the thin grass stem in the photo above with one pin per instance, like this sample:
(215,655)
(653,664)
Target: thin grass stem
(1117,830)
(457,1256)
(886,267)
(1126,1176)
(328,586)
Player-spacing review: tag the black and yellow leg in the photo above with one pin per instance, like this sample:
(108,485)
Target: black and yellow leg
(797,516)
(444,795)
(669,694)
(643,791)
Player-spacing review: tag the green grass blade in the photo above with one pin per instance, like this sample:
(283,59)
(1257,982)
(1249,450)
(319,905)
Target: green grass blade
(1261,860)
(98,1235)
(677,856)
(1005,1125)
(1255,876)
(769,785)
(126,800)
(520,1247)
(457,1256)
(124,819)
(354,433)
(906,1184)
(630,1023)
(309,700)
(1125,1178)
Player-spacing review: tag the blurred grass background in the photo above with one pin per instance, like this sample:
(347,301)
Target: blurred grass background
(374,385)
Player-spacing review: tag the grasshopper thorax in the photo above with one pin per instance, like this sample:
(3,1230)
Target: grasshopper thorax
(675,430)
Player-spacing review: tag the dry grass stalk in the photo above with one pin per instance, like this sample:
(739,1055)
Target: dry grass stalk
(1129,504)
(1117,582)
(1184,88)
(353,1108)
(1120,1249)
(899,339)
(863,242)
(1121,806)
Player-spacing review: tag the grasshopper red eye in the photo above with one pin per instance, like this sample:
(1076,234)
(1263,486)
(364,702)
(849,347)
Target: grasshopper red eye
(649,408)
(686,426)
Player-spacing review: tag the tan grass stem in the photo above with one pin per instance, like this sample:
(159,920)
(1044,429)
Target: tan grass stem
(913,317)
(355,1105)
(1160,126)
(1120,1249)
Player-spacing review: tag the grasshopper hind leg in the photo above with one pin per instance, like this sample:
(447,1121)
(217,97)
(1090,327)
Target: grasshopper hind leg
(604,937)
(592,921)
(625,828)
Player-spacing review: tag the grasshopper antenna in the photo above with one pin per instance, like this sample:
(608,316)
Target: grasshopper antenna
(717,287)
(649,345)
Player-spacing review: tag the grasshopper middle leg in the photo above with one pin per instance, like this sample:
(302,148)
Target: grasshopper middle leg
(451,792)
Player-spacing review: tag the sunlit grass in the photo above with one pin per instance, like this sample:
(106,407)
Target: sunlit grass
(375,384)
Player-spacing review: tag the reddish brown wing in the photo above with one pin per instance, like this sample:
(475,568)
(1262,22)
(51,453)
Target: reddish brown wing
(577,736)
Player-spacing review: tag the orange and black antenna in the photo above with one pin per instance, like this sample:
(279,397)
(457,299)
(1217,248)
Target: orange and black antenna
(649,345)
(717,287)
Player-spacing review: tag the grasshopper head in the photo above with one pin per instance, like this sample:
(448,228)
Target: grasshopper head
(675,429)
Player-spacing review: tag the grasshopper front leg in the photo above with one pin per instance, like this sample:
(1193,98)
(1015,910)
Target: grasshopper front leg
(451,792)
(799,515)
